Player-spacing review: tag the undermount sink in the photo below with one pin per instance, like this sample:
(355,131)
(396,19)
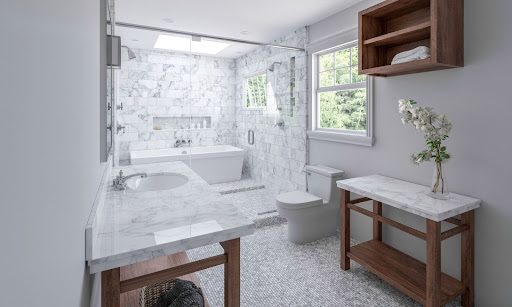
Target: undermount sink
(156,182)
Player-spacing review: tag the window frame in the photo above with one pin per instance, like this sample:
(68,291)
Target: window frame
(246,81)
(364,138)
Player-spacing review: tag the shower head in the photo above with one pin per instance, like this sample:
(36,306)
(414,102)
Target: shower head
(272,67)
(131,54)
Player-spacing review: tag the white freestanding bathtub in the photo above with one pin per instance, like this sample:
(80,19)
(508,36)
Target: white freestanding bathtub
(215,164)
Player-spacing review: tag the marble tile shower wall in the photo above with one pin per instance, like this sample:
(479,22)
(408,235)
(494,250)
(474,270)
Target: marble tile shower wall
(278,155)
(157,84)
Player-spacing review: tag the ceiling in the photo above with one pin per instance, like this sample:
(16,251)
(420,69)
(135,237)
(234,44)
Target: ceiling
(255,20)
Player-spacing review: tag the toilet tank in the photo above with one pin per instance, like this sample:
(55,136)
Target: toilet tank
(322,181)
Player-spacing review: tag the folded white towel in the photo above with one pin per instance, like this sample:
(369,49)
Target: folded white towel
(418,53)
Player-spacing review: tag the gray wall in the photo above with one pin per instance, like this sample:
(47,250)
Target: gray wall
(50,152)
(476,98)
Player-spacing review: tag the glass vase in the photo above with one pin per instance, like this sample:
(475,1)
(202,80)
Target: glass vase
(439,189)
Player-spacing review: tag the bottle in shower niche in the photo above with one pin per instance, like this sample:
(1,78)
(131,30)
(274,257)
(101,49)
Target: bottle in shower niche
(204,124)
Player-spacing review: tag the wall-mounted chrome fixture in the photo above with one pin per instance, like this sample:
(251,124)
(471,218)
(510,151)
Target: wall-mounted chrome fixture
(250,137)
(279,119)
(272,66)
(120,128)
(292,85)
(280,123)
(131,54)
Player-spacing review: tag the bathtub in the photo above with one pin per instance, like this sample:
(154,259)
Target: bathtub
(215,164)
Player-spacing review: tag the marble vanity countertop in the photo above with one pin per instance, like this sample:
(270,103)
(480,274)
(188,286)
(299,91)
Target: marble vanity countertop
(133,226)
(409,196)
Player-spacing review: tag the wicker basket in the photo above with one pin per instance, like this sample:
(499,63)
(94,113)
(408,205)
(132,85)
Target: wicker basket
(150,294)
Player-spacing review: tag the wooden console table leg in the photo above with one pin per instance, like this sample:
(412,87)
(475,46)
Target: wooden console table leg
(111,288)
(377,226)
(232,273)
(433,290)
(344,230)
(468,259)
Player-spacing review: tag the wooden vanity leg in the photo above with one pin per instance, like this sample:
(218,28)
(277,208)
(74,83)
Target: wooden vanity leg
(232,273)
(111,288)
(468,259)
(433,290)
(377,226)
(344,230)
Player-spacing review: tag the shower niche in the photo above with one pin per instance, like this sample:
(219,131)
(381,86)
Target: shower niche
(166,123)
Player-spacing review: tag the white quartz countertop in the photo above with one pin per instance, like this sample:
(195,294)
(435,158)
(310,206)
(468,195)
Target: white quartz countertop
(131,226)
(409,196)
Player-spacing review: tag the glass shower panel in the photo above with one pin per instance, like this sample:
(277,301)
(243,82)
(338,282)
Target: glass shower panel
(274,136)
(212,104)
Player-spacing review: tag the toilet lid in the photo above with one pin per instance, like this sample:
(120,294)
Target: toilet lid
(298,200)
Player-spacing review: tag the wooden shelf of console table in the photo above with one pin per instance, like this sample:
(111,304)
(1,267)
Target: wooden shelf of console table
(424,282)
(402,271)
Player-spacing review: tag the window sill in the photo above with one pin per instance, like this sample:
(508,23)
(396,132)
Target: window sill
(362,140)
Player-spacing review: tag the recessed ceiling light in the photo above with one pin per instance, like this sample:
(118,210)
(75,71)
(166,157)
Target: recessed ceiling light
(186,44)
(244,32)
(168,20)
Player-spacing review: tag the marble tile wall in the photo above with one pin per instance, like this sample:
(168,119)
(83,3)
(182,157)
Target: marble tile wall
(162,83)
(278,155)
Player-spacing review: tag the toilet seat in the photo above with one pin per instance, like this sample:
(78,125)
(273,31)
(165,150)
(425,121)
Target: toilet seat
(298,200)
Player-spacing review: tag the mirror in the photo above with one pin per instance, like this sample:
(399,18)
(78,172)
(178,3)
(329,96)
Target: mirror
(107,80)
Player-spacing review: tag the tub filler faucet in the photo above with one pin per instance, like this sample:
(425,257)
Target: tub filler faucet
(120,181)
(180,143)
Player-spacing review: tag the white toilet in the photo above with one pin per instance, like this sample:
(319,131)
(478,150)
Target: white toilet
(314,214)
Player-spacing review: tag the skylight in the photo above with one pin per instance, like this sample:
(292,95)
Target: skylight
(186,44)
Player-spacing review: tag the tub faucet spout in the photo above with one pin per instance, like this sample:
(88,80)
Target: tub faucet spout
(180,143)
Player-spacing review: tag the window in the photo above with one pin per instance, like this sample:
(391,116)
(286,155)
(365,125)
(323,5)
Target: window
(341,108)
(256,91)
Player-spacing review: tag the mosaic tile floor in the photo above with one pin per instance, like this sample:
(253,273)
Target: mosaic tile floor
(250,198)
(276,272)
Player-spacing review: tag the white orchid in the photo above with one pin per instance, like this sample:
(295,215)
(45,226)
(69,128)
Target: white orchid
(435,129)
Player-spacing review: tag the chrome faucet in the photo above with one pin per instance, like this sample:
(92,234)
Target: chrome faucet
(180,143)
(120,181)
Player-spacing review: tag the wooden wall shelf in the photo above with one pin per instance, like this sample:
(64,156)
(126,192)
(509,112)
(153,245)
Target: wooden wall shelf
(413,33)
(393,26)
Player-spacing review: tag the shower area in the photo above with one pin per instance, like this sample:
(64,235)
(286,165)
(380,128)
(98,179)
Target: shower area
(232,110)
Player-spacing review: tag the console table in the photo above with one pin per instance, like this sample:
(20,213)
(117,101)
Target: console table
(425,283)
